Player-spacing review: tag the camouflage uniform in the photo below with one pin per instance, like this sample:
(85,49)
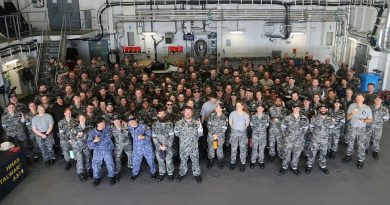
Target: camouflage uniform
(320,128)
(147,116)
(294,130)
(80,148)
(216,125)
(122,143)
(33,138)
(163,134)
(189,133)
(77,110)
(64,128)
(337,131)
(275,135)
(13,127)
(259,126)
(374,130)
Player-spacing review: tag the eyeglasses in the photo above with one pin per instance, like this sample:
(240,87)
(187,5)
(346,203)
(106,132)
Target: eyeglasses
(169,104)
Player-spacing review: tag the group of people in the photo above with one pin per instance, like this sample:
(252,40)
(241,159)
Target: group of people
(99,113)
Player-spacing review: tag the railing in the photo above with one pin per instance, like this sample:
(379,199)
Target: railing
(44,35)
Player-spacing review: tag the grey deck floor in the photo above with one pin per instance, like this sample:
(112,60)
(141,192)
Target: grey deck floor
(345,185)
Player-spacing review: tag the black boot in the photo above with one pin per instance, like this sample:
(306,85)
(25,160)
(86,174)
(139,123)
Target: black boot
(82,178)
(210,163)
(242,168)
(112,180)
(333,155)
(132,178)
(296,172)
(96,181)
(366,151)
(220,163)
(252,165)
(198,179)
(328,154)
(89,173)
(271,159)
(171,178)
(262,166)
(232,166)
(325,170)
(282,171)
(160,177)
(154,176)
(346,159)
(36,157)
(308,170)
(179,178)
(117,177)
(68,166)
(375,155)
(360,165)
(47,163)
(52,162)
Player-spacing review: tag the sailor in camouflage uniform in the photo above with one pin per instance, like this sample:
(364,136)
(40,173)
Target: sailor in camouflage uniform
(217,126)
(122,144)
(80,148)
(321,125)
(294,128)
(99,140)
(374,131)
(12,122)
(277,114)
(142,147)
(259,123)
(189,131)
(163,135)
(64,128)
(28,121)
(338,114)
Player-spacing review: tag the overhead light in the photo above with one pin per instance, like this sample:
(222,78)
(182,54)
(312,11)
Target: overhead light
(297,33)
(148,33)
(11,62)
(236,32)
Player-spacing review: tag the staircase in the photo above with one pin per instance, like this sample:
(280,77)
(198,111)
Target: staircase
(49,49)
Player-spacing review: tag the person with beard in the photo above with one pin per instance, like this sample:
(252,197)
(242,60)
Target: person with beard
(277,112)
(338,114)
(109,114)
(189,131)
(321,125)
(142,147)
(163,135)
(42,91)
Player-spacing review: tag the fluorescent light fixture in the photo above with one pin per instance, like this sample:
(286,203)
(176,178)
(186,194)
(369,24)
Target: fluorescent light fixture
(148,33)
(297,33)
(236,32)
(11,62)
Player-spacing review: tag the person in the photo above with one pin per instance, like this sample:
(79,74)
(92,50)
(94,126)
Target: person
(28,120)
(64,132)
(163,135)
(189,131)
(320,126)
(238,121)
(294,128)
(78,142)
(374,131)
(359,115)
(277,113)
(122,144)
(217,126)
(142,147)
(259,124)
(12,122)
(99,140)
(338,115)
(42,126)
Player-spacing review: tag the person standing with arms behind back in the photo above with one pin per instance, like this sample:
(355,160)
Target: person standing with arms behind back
(359,115)
(239,121)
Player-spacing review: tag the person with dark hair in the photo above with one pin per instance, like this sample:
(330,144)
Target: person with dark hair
(189,131)
(122,143)
(277,113)
(259,124)
(337,114)
(99,140)
(64,132)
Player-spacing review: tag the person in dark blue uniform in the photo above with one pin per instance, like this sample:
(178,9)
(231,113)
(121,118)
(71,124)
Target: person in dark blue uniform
(99,140)
(142,147)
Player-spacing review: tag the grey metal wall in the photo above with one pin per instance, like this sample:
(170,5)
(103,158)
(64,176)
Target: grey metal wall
(60,9)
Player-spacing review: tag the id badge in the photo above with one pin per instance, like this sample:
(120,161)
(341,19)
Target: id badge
(71,154)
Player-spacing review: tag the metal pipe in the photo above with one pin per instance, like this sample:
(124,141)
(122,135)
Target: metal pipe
(385,32)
